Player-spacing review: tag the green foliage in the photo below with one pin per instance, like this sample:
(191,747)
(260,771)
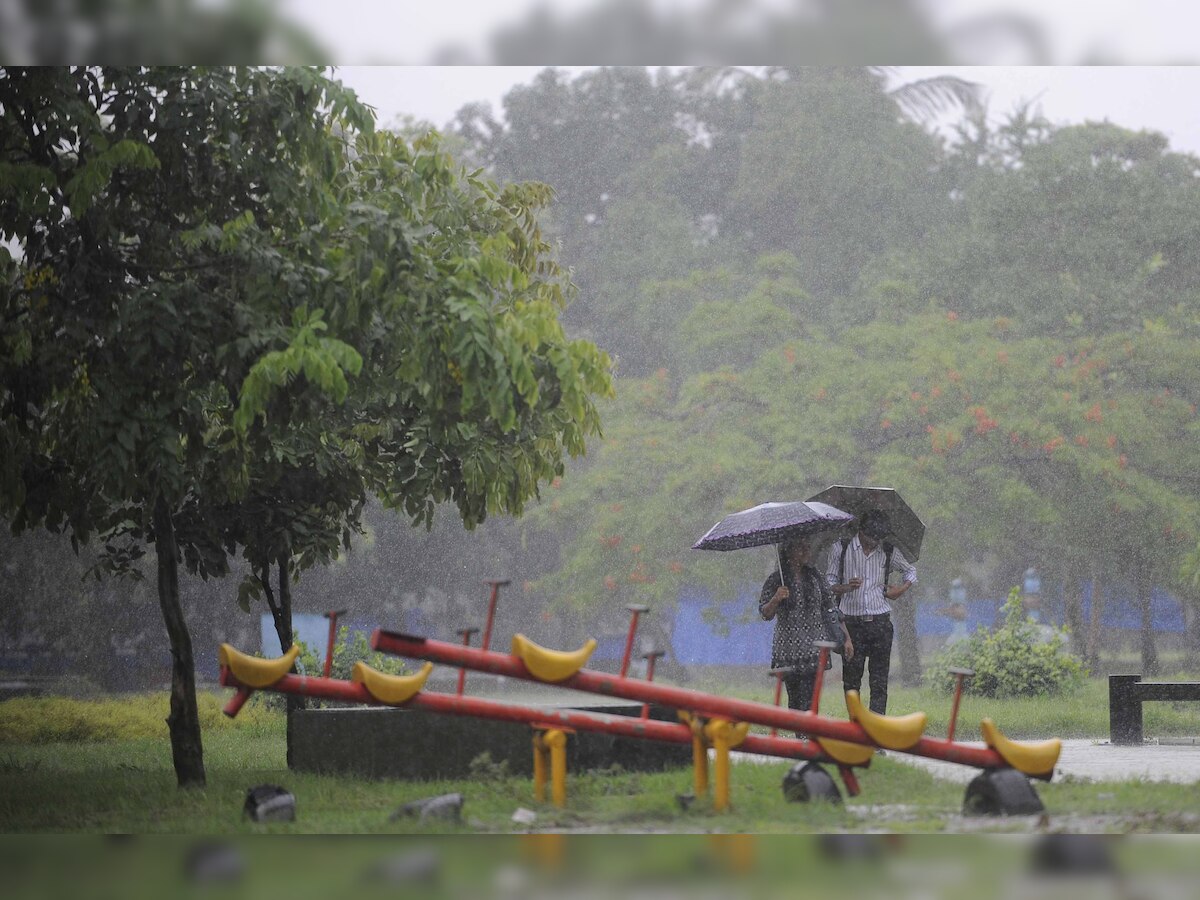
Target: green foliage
(1012,661)
(347,650)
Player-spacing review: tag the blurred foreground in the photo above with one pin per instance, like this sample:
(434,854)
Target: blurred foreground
(553,864)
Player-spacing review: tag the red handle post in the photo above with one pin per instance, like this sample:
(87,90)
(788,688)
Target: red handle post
(959,675)
(462,672)
(332,616)
(778,674)
(822,659)
(636,609)
(650,658)
(496,584)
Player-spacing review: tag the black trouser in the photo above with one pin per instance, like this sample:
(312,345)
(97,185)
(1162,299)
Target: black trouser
(872,641)
(800,690)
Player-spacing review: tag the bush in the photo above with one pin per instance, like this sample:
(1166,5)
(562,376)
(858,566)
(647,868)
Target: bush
(1015,660)
(347,651)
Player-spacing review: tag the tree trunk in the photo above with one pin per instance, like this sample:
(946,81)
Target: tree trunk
(905,609)
(1073,607)
(1149,651)
(1191,634)
(281,614)
(1092,657)
(187,750)
(293,701)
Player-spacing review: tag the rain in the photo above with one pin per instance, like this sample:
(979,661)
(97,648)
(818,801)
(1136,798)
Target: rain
(479,348)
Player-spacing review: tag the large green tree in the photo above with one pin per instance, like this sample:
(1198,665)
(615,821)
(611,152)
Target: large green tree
(229,298)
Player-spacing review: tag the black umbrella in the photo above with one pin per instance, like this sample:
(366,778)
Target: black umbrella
(907,529)
(771,523)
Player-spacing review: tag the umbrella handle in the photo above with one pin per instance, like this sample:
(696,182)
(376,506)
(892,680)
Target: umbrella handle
(779,561)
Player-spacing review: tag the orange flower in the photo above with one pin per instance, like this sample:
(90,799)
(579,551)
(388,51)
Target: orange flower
(1060,361)
(1002,357)
(789,354)
(936,392)
(1122,461)
(952,316)
(1081,440)
(610,582)
(821,394)
(1094,414)
(885,424)
(675,566)
(1111,441)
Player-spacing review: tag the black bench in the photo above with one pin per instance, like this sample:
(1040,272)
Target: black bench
(1125,696)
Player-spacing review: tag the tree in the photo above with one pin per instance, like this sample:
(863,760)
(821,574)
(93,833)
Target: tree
(217,303)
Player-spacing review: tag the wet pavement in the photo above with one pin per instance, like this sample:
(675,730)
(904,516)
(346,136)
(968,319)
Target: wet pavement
(1097,760)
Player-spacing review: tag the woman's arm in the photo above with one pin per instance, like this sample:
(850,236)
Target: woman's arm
(773,594)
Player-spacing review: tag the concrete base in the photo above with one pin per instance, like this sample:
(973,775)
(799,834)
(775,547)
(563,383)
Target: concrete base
(419,745)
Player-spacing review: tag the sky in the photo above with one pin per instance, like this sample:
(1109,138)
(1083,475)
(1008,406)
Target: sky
(1137,97)
(372,31)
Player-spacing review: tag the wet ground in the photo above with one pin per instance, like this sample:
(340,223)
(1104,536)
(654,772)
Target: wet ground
(1098,760)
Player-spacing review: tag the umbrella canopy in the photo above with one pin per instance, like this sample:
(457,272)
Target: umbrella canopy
(772,523)
(907,528)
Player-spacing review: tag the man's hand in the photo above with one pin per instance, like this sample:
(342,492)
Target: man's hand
(848,648)
(894,593)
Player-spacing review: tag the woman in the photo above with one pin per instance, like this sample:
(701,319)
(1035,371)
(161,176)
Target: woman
(811,616)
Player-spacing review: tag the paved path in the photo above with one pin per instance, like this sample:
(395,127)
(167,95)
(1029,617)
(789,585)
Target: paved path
(1178,761)
(1096,760)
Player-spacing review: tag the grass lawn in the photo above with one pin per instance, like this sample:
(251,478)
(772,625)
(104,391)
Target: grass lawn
(100,773)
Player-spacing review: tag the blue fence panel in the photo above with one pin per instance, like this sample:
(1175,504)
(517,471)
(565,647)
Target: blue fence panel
(739,637)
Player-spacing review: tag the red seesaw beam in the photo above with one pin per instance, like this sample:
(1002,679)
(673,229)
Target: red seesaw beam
(593,682)
(455,705)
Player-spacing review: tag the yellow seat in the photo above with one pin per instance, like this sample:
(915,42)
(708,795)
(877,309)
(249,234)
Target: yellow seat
(254,672)
(1036,759)
(893,732)
(846,753)
(390,689)
(550,665)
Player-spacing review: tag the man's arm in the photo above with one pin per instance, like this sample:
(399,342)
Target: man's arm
(900,564)
(833,569)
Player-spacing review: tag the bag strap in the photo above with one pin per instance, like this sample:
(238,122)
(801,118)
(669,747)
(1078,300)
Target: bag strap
(842,563)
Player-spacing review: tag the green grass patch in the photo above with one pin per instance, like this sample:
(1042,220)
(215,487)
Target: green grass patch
(44,720)
(106,767)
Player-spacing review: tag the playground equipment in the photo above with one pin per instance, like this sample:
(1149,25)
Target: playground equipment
(708,721)
(866,729)
(369,686)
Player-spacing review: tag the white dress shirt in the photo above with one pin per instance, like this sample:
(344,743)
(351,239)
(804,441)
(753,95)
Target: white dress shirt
(868,599)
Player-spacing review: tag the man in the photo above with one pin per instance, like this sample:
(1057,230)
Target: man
(857,574)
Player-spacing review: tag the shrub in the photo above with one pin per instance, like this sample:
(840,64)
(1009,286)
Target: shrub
(347,650)
(1015,660)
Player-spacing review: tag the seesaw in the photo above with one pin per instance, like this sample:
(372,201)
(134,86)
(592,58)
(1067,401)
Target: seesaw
(1002,787)
(551,726)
